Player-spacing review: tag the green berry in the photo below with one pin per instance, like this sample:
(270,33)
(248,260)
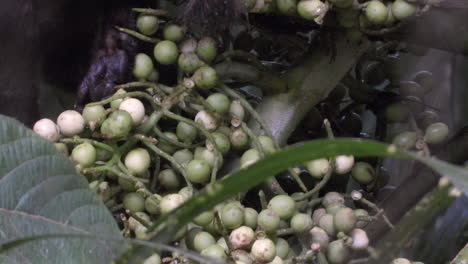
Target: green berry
(84,155)
(236,110)
(287,7)
(147,24)
(93,113)
(219,102)
(62,148)
(406,140)
(204,218)
(214,251)
(186,133)
(232,215)
(166,52)
(207,155)
(436,133)
(207,49)
(198,171)
(267,144)
(203,240)
(318,168)
(326,223)
(183,156)
(116,103)
(143,66)
(137,161)
(167,146)
(173,32)
(152,204)
(222,142)
(190,237)
(249,157)
(250,217)
(189,62)
(283,205)
(301,223)
(344,220)
(268,220)
(282,248)
(376,12)
(134,202)
(402,10)
(205,77)
(361,213)
(126,184)
(169,179)
(239,139)
(337,252)
(117,125)
(311,9)
(363,172)
(332,208)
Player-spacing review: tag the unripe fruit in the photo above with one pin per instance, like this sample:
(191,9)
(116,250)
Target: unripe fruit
(190,237)
(232,215)
(134,202)
(208,121)
(207,155)
(204,218)
(301,223)
(241,257)
(360,239)
(173,32)
(402,10)
(183,156)
(152,204)
(239,139)
(436,133)
(147,24)
(318,235)
(153,259)
(203,240)
(167,146)
(188,45)
(84,155)
(93,113)
(166,52)
(343,164)
(116,103)
(311,9)
(249,157)
(207,49)
(62,148)
(332,197)
(268,146)
(406,140)
(143,66)
(318,168)
(326,223)
(169,179)
(263,250)
(363,172)
(282,248)
(268,220)
(135,108)
(47,129)
(250,217)
(198,171)
(189,62)
(283,205)
(205,77)
(337,252)
(141,233)
(287,7)
(117,125)
(236,110)
(137,161)
(376,12)
(222,142)
(334,207)
(344,220)
(219,102)
(400,261)
(186,133)
(170,202)
(361,213)
(276,260)
(214,251)
(242,237)
(70,123)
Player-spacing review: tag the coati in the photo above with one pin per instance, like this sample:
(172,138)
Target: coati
(73,44)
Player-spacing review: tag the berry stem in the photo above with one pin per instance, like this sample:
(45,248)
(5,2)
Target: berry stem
(138,35)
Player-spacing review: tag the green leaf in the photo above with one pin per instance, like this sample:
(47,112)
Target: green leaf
(41,193)
(258,172)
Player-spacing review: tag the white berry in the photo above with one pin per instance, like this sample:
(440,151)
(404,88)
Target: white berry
(47,129)
(263,250)
(344,164)
(135,108)
(242,237)
(207,120)
(70,123)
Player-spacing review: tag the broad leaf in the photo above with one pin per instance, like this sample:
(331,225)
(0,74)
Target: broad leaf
(40,193)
